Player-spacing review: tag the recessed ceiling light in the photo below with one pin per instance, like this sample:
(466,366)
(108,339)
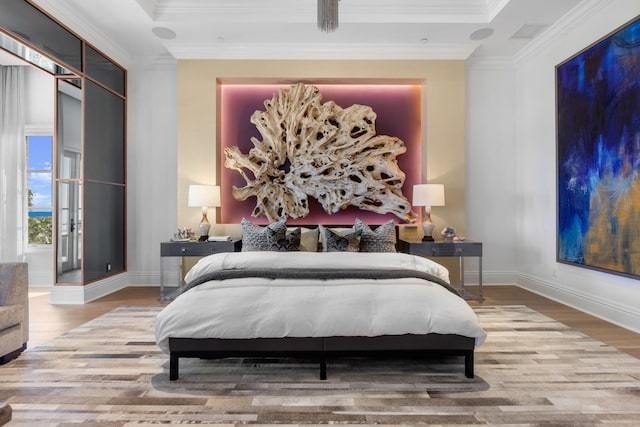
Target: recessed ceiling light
(220,39)
(164,33)
(481,34)
(424,40)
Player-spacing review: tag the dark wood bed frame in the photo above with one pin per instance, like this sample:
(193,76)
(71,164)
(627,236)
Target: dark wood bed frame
(322,348)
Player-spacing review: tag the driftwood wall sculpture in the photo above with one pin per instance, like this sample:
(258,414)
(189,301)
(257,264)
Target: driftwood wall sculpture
(310,149)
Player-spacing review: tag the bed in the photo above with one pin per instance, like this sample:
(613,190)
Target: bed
(318,305)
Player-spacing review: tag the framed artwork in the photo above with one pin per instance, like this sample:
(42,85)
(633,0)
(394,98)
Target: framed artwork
(598,154)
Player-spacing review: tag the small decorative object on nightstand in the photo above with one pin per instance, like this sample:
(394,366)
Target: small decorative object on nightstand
(428,195)
(204,196)
(448,233)
(183,235)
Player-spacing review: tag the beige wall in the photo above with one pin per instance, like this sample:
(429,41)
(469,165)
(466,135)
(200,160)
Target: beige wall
(443,119)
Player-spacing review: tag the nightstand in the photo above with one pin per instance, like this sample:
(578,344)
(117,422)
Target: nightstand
(446,248)
(183,249)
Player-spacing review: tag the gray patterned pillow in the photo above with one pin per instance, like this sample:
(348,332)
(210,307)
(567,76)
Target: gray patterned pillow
(382,239)
(335,242)
(336,230)
(254,237)
(281,241)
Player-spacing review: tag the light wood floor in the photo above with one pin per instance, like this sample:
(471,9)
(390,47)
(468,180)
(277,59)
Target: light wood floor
(49,321)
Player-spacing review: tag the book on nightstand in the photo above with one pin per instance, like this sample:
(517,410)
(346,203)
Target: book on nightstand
(219,238)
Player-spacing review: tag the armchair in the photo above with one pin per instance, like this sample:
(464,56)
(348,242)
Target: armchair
(14,310)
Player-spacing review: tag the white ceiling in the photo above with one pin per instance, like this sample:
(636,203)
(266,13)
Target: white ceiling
(286,29)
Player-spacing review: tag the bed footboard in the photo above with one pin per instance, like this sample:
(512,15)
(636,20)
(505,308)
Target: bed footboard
(322,348)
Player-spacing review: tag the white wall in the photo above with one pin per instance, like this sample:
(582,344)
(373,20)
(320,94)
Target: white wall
(491,172)
(531,169)
(151,171)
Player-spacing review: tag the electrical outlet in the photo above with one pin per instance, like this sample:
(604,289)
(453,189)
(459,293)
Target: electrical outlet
(108,266)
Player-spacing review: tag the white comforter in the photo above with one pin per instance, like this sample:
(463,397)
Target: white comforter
(266,308)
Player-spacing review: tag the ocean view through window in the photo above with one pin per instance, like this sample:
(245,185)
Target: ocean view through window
(39,184)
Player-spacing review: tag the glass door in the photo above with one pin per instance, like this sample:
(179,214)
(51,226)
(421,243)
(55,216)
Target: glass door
(69,203)
(69,224)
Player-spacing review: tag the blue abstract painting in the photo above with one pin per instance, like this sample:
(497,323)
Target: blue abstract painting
(598,154)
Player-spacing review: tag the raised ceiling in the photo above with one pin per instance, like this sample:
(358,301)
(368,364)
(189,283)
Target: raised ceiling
(286,29)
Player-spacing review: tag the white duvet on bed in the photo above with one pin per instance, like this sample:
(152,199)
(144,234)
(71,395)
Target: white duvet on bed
(266,308)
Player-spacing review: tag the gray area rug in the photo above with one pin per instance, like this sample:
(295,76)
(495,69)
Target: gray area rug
(532,371)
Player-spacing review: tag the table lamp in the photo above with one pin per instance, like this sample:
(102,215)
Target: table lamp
(204,196)
(428,195)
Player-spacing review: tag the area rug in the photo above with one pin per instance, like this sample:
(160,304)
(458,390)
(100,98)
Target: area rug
(532,371)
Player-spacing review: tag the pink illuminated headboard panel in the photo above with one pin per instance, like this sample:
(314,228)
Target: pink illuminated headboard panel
(398,114)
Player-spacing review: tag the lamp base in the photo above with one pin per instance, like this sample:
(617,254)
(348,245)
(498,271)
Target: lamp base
(427,228)
(204,231)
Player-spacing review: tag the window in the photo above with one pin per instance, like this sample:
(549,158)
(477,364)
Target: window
(39,185)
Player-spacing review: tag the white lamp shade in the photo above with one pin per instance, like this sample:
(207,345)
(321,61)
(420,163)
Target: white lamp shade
(204,196)
(428,195)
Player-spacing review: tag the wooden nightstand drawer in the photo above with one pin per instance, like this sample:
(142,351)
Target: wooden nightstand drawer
(197,248)
(442,248)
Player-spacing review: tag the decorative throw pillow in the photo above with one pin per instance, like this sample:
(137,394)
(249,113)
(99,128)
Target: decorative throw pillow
(281,241)
(336,230)
(254,237)
(382,239)
(335,242)
(308,239)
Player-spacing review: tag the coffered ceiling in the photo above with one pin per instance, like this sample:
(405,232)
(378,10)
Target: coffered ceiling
(286,29)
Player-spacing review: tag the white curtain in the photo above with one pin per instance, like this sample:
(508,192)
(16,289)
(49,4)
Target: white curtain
(13,201)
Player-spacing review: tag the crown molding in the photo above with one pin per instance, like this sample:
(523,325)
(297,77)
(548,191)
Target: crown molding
(494,7)
(582,12)
(434,11)
(323,51)
(149,6)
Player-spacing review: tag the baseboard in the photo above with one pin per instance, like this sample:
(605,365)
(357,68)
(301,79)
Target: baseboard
(40,279)
(472,277)
(624,316)
(88,293)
